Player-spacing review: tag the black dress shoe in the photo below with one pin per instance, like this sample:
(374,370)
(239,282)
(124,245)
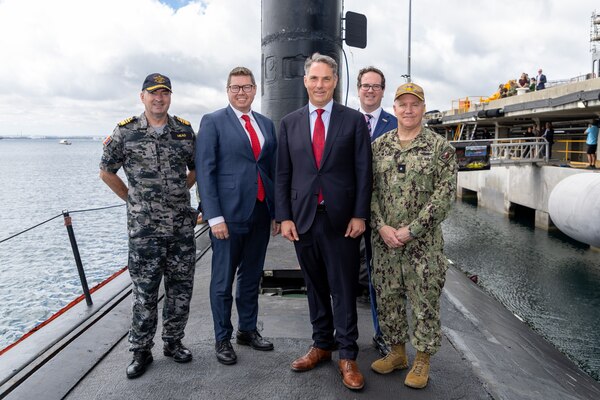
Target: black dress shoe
(141,359)
(254,340)
(178,351)
(380,345)
(225,353)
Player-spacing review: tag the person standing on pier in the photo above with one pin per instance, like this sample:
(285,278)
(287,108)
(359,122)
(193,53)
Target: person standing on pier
(235,156)
(414,185)
(549,136)
(592,143)
(371,87)
(540,80)
(323,191)
(156,152)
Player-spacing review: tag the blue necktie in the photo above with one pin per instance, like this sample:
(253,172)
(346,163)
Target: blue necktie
(368,119)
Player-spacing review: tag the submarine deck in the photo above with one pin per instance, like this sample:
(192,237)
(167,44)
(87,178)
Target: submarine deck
(487,353)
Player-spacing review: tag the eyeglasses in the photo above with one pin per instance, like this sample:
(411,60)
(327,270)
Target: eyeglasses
(375,87)
(236,88)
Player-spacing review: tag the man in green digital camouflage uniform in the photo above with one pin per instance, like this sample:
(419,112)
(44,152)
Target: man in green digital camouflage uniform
(414,185)
(156,152)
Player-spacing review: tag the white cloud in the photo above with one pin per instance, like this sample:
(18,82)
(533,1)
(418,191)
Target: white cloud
(76,66)
(466,48)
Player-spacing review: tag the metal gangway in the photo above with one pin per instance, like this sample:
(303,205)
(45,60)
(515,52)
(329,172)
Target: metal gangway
(514,150)
(519,150)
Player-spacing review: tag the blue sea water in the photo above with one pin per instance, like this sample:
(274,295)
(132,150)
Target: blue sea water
(39,178)
(550,281)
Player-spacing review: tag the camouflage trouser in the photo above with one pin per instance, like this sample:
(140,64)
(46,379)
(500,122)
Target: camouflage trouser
(419,274)
(150,259)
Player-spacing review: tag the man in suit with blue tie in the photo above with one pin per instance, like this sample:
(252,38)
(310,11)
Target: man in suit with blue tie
(371,87)
(322,194)
(235,156)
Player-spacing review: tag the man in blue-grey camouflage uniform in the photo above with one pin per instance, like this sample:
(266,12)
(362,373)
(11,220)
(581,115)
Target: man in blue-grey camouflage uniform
(414,185)
(156,151)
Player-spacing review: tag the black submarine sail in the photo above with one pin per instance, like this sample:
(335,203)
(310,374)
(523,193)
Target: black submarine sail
(291,32)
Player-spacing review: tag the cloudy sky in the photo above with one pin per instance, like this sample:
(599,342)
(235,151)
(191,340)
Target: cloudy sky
(75,67)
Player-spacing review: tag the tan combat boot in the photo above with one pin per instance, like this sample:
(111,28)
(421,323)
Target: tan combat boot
(419,374)
(395,359)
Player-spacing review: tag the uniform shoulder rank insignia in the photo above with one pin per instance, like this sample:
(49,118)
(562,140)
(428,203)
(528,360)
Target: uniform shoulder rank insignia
(126,121)
(447,154)
(183,121)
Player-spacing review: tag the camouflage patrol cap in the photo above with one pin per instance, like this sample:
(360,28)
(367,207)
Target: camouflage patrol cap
(156,81)
(410,88)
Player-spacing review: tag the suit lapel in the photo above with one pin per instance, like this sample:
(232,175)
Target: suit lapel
(264,132)
(381,123)
(335,124)
(304,131)
(239,131)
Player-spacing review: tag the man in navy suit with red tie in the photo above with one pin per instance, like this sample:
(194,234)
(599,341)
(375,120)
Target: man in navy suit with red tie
(323,194)
(235,158)
(371,87)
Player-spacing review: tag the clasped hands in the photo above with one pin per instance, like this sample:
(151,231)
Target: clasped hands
(395,238)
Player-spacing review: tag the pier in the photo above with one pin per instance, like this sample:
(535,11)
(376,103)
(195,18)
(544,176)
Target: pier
(505,187)
(521,173)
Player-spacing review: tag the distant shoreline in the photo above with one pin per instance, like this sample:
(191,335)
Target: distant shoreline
(34,137)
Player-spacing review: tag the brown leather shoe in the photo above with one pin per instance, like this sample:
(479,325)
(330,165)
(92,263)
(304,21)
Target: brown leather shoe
(311,359)
(351,376)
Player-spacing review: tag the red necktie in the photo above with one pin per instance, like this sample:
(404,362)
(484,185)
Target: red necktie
(260,195)
(318,144)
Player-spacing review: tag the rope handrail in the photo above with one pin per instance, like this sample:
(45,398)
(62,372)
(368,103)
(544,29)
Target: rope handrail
(56,216)
(96,209)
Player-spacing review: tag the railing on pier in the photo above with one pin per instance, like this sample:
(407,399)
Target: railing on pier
(525,150)
(463,105)
(516,151)
(578,78)
(569,151)
(470,103)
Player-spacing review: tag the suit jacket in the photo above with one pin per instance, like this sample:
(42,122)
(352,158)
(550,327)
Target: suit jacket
(385,123)
(541,82)
(344,175)
(226,170)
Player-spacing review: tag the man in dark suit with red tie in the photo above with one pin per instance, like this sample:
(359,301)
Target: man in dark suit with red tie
(235,158)
(323,194)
